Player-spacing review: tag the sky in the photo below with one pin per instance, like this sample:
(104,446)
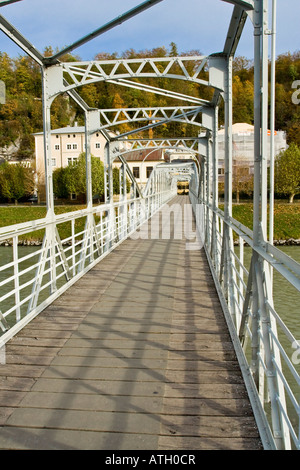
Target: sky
(199,25)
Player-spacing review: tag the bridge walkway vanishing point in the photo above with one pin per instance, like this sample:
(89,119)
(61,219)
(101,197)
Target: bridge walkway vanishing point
(135,355)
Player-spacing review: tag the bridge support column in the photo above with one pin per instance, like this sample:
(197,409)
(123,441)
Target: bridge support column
(263,346)
(109,196)
(92,124)
(122,228)
(226,274)
(215,189)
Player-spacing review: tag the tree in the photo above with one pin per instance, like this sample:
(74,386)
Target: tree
(16,181)
(243,97)
(72,179)
(242,181)
(59,183)
(174,50)
(287,172)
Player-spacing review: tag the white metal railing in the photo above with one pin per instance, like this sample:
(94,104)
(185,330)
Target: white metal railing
(267,348)
(31,279)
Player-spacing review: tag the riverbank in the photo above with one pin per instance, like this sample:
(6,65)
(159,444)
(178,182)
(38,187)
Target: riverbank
(289,242)
(286,221)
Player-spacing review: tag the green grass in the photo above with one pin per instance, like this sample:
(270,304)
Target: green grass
(17,214)
(286,218)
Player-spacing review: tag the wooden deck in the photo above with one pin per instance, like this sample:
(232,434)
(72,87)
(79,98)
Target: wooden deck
(136,355)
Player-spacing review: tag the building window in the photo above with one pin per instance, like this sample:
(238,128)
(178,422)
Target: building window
(221,171)
(72,160)
(74,146)
(149,170)
(53,161)
(136,171)
(98,145)
(69,147)
(73,196)
(56,147)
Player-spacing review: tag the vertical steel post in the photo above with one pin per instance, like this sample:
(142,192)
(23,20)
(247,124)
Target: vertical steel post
(108,194)
(207,196)
(261,276)
(226,258)
(228,141)
(88,157)
(272,121)
(215,163)
(50,230)
(47,101)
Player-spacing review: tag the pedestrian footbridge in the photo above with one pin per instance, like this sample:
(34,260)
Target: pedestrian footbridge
(148,321)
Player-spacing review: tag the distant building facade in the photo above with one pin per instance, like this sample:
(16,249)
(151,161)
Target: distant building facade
(243,147)
(142,162)
(67,143)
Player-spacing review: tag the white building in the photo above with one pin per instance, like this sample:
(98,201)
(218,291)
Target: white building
(243,146)
(142,162)
(67,143)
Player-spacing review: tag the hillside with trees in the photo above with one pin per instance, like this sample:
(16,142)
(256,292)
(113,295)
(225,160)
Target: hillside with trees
(22,113)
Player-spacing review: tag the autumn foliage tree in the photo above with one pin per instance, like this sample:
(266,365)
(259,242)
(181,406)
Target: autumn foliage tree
(287,172)
(72,179)
(16,181)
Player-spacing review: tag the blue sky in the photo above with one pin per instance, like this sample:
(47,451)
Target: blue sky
(192,24)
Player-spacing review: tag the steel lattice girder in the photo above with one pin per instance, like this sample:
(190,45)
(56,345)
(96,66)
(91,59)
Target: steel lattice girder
(115,117)
(118,148)
(77,74)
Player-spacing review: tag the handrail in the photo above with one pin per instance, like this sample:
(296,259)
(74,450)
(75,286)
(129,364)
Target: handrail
(29,283)
(264,338)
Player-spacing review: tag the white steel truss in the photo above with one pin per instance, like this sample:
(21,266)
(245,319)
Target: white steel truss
(83,73)
(183,114)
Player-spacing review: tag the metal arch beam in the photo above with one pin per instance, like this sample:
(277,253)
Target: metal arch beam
(163,146)
(151,143)
(136,145)
(160,91)
(84,73)
(103,29)
(3,3)
(238,20)
(159,114)
(179,118)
